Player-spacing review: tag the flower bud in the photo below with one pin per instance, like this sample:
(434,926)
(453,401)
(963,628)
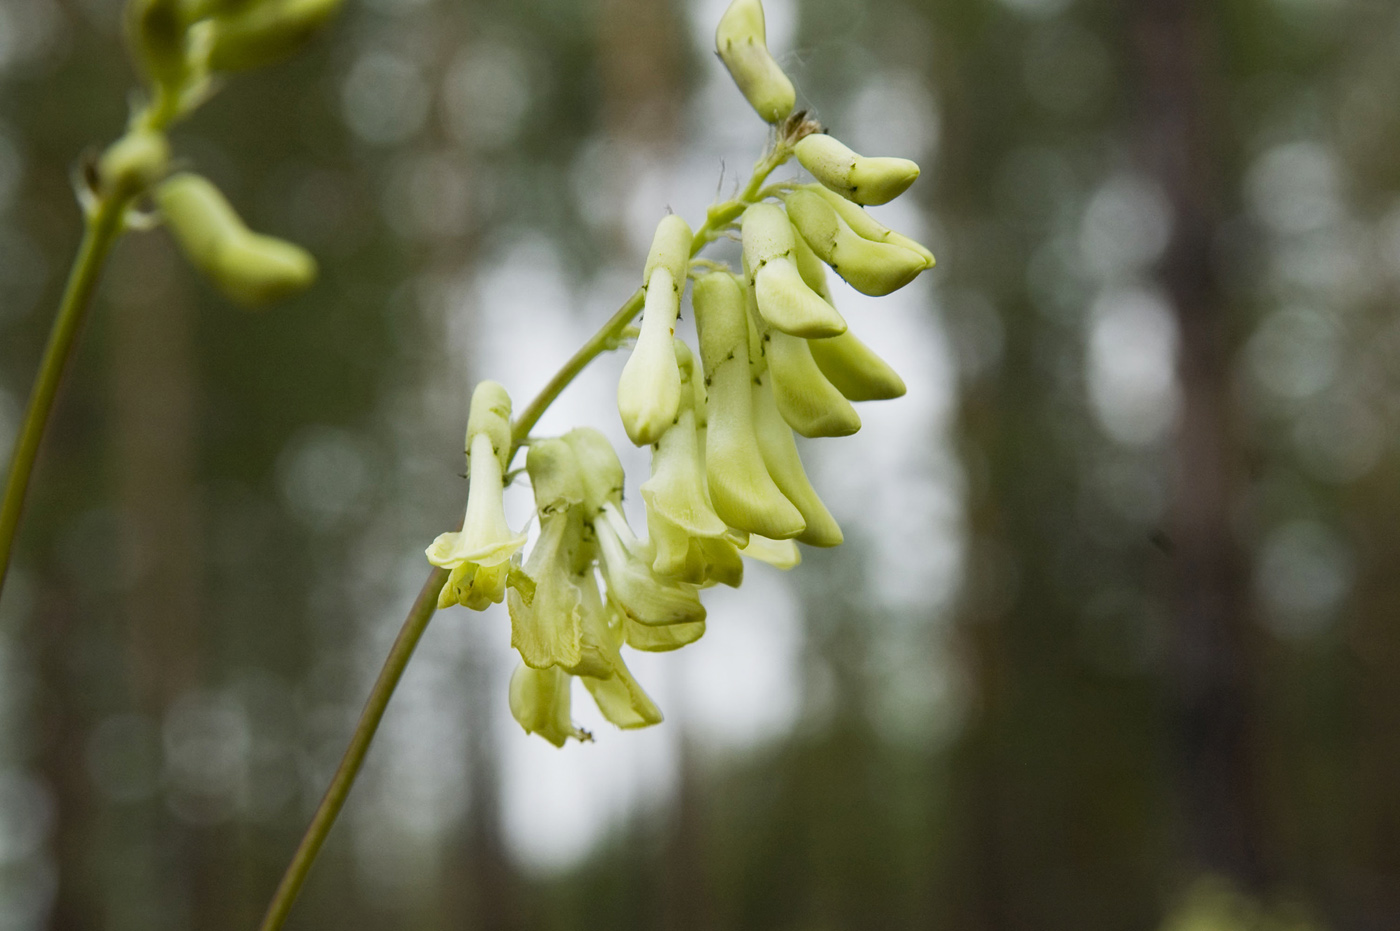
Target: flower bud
(260,34)
(741,490)
(599,468)
(864,225)
(741,42)
(133,163)
(785,465)
(540,703)
(490,414)
(784,299)
(248,267)
(808,402)
(874,268)
(863,180)
(855,369)
(649,391)
(670,249)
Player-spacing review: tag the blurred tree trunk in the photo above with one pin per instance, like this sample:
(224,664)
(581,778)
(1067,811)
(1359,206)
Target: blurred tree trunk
(153,443)
(686,897)
(483,893)
(1211,664)
(63,725)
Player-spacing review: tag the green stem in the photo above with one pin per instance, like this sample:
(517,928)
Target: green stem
(103,227)
(606,338)
(349,768)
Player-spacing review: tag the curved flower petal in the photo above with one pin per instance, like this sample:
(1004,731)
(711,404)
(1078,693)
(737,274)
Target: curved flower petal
(632,583)
(548,631)
(782,554)
(540,703)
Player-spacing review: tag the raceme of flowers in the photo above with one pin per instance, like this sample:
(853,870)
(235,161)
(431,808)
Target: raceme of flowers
(184,48)
(775,357)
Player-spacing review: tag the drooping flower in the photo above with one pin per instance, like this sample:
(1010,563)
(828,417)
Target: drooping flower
(540,702)
(619,696)
(479,554)
(248,267)
(649,391)
(547,629)
(784,299)
(807,400)
(785,466)
(863,180)
(633,585)
(866,226)
(742,43)
(741,490)
(875,268)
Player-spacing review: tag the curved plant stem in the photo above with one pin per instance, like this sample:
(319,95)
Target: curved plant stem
(349,768)
(103,227)
(606,338)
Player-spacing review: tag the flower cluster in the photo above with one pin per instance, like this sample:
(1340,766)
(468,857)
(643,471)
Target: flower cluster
(183,48)
(775,358)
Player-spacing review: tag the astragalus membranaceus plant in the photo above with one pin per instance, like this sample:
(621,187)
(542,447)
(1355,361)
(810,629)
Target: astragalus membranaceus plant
(774,358)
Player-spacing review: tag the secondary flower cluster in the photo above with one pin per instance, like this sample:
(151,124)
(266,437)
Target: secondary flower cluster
(775,357)
(183,47)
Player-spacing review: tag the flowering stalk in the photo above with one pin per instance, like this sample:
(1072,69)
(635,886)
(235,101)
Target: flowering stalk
(608,337)
(730,482)
(101,231)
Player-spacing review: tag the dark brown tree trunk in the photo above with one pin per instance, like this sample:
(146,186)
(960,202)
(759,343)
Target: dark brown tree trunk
(1211,665)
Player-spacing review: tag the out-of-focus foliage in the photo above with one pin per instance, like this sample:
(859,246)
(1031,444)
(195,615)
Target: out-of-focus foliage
(1059,671)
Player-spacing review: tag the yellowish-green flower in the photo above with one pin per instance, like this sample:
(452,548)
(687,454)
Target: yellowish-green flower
(248,267)
(741,41)
(479,554)
(541,703)
(871,267)
(633,585)
(741,490)
(863,180)
(808,401)
(547,628)
(649,391)
(866,226)
(619,696)
(849,364)
(784,299)
(785,466)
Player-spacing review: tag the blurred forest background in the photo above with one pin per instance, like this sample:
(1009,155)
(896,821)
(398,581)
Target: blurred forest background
(1114,642)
